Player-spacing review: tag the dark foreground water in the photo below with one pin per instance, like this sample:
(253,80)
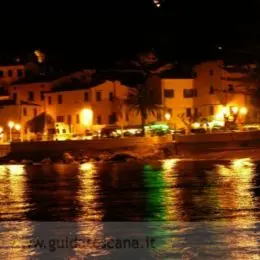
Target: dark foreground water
(173,209)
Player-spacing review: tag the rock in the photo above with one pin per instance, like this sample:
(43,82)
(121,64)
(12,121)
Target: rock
(104,156)
(12,162)
(122,158)
(68,158)
(46,161)
(26,162)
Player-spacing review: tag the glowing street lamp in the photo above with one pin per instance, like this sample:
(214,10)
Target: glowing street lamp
(17,127)
(87,116)
(235,110)
(10,125)
(243,110)
(167,116)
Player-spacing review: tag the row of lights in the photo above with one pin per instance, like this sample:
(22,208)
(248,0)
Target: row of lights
(12,125)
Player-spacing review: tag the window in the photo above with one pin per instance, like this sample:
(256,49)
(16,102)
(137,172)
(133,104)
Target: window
(19,73)
(211,90)
(1,73)
(211,110)
(196,112)
(188,112)
(99,120)
(35,112)
(30,96)
(69,119)
(15,97)
(60,119)
(25,111)
(86,97)
(189,93)
(211,72)
(42,95)
(49,100)
(10,73)
(230,88)
(77,119)
(98,96)
(159,116)
(59,99)
(112,118)
(169,93)
(110,96)
(126,116)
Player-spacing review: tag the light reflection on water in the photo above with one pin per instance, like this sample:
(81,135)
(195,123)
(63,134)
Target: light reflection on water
(180,194)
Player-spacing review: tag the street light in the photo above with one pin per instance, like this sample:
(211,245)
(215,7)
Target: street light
(10,125)
(243,110)
(235,110)
(17,127)
(167,116)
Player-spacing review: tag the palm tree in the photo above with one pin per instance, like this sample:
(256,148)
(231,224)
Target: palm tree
(142,98)
(141,101)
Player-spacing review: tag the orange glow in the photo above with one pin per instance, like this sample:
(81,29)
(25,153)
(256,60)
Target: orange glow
(87,117)
(243,110)
(11,124)
(235,110)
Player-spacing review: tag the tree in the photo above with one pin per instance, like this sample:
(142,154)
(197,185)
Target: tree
(143,98)
(141,101)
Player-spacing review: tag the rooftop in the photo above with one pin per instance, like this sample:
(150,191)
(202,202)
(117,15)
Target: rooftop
(76,84)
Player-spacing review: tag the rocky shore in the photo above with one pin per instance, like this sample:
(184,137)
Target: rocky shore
(124,155)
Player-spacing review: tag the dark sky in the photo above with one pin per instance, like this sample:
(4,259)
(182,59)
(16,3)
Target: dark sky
(87,33)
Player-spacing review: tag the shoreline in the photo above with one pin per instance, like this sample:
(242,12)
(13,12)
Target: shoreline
(130,155)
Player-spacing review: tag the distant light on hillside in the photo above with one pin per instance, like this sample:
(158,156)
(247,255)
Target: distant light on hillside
(157,3)
(40,56)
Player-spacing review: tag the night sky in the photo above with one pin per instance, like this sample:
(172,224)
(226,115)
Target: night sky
(95,33)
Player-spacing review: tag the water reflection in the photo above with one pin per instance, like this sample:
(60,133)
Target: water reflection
(188,200)
(238,205)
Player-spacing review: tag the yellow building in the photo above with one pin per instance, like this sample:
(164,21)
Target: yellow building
(178,97)
(9,74)
(216,88)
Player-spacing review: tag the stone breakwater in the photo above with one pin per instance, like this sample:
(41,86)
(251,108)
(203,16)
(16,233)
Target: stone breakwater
(94,150)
